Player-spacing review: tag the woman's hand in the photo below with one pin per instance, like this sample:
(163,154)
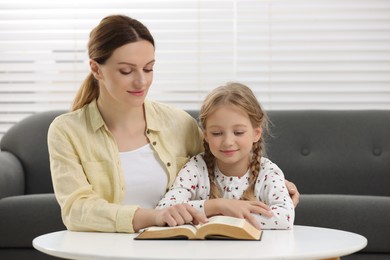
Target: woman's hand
(238,209)
(293,191)
(179,214)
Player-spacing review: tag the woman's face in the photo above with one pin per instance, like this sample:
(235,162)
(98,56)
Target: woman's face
(126,76)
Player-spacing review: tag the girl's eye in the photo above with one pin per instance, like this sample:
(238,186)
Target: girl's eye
(239,133)
(216,134)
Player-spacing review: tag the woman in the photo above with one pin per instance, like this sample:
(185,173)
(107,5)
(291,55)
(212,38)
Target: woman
(115,154)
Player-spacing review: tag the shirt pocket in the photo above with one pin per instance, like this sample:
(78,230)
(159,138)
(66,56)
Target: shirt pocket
(100,176)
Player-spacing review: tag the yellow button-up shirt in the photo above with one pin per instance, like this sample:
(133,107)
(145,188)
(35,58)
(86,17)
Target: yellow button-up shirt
(86,169)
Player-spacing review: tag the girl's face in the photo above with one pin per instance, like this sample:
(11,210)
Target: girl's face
(126,76)
(230,136)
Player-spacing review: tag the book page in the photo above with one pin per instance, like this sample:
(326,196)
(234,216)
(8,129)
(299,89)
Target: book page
(231,221)
(177,232)
(155,228)
(228,228)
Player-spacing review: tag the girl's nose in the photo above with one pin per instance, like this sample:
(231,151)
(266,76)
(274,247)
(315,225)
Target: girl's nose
(228,139)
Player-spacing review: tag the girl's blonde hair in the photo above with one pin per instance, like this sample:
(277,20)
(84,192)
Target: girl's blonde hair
(111,33)
(241,97)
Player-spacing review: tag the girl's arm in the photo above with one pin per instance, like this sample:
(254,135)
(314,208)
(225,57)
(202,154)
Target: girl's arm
(191,186)
(271,189)
(238,208)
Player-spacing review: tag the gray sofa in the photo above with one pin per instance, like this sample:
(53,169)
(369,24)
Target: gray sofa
(340,160)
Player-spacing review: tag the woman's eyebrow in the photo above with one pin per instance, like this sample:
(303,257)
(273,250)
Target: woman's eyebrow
(132,64)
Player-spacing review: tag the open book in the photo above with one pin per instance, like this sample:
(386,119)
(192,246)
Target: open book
(218,227)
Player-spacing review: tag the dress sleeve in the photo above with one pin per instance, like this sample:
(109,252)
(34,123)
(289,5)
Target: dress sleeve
(271,189)
(190,186)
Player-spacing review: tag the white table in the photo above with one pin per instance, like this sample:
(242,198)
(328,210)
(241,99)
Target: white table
(302,242)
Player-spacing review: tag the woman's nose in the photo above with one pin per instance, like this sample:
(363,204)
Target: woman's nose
(140,79)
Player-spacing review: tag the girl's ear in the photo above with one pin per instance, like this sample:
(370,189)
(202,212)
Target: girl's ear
(258,131)
(95,69)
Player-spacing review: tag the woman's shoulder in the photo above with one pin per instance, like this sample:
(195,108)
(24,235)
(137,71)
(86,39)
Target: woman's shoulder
(165,110)
(71,121)
(69,117)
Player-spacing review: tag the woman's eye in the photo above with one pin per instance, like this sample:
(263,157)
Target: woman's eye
(216,133)
(125,72)
(148,70)
(239,133)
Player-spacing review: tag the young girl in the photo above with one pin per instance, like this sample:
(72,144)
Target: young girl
(232,177)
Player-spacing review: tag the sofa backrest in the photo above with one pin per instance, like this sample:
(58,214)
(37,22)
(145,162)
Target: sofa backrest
(322,152)
(27,140)
(333,152)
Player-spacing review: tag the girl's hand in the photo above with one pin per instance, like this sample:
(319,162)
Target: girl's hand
(179,214)
(238,209)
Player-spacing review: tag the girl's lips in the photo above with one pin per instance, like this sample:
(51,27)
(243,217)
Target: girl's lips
(228,152)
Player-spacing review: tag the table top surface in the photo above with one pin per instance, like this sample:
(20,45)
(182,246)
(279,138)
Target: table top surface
(303,242)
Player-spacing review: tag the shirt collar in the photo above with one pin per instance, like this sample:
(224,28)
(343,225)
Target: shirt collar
(150,114)
(95,116)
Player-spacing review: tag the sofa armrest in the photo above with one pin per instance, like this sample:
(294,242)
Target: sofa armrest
(11,175)
(22,218)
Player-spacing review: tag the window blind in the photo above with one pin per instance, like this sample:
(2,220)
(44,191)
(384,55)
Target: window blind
(294,54)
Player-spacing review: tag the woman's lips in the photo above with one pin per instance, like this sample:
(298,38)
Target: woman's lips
(136,93)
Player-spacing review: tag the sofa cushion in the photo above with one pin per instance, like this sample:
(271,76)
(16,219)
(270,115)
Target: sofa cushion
(22,218)
(364,215)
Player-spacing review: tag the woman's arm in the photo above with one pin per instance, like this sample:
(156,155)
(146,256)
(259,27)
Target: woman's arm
(293,191)
(87,203)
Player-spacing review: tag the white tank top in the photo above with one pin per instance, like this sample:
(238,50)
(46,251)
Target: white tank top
(145,176)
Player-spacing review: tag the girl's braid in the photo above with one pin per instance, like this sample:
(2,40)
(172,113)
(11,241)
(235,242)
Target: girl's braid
(249,193)
(210,162)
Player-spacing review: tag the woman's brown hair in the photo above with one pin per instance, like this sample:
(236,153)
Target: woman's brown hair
(241,97)
(111,33)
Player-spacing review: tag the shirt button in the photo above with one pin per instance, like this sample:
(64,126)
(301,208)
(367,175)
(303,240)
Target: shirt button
(168,164)
(147,131)
(154,143)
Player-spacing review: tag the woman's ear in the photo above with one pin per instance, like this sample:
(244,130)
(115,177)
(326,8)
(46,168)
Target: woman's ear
(205,136)
(258,131)
(95,69)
